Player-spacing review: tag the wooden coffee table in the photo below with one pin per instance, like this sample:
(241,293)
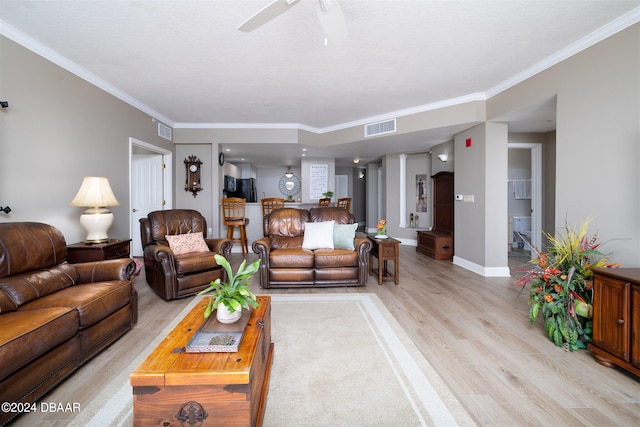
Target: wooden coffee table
(385,250)
(173,388)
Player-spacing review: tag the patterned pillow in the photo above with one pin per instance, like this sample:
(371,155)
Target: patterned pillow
(187,243)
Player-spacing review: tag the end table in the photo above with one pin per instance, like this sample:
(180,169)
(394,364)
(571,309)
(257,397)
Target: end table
(86,252)
(385,250)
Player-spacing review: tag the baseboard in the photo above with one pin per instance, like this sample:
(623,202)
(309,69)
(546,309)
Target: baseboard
(481,270)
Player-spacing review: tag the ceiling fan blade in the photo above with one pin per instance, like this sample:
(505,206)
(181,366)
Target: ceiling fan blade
(266,14)
(332,21)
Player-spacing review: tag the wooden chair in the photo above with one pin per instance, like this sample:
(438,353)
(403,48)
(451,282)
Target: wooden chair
(324,202)
(268,205)
(233,215)
(344,203)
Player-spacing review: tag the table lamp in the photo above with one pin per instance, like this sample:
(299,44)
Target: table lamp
(95,193)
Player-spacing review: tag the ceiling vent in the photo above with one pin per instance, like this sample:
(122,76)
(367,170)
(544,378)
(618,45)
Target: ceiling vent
(379,128)
(164,131)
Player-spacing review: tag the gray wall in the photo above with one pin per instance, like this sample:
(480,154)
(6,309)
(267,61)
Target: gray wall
(59,128)
(597,138)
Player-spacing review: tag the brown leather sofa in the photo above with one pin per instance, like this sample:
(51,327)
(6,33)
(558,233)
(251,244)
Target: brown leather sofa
(285,263)
(174,276)
(54,316)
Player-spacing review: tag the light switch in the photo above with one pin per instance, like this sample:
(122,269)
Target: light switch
(469,198)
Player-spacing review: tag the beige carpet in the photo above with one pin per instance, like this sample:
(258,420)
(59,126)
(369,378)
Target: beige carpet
(339,360)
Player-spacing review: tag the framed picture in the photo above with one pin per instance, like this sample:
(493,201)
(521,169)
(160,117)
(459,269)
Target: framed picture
(421,193)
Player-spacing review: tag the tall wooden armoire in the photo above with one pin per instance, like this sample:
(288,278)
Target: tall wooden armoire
(438,243)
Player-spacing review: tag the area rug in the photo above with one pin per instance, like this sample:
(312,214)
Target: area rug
(339,360)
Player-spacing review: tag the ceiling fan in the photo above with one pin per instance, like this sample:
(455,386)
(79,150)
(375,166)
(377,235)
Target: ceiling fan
(329,14)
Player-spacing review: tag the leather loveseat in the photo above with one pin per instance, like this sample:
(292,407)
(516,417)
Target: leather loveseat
(285,262)
(54,316)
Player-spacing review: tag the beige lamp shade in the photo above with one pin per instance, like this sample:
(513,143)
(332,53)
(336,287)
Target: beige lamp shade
(95,193)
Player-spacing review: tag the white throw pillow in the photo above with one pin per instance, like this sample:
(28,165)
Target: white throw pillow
(318,235)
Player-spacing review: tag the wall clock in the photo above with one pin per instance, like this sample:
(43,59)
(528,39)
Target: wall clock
(192,182)
(289,186)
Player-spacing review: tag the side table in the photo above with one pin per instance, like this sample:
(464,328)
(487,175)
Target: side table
(385,250)
(86,252)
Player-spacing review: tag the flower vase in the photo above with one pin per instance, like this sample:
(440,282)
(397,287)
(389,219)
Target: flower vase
(224,316)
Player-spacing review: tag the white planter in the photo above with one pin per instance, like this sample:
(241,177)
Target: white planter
(223,315)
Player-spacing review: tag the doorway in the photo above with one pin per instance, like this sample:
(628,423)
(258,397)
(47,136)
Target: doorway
(149,185)
(535,193)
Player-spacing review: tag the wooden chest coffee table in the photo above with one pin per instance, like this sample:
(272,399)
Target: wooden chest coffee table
(174,388)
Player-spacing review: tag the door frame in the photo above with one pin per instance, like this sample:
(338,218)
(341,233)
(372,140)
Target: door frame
(167,160)
(536,190)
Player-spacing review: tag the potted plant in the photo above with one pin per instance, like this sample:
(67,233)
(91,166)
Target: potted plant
(328,194)
(229,298)
(561,287)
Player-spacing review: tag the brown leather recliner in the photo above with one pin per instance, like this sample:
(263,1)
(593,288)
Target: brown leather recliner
(176,276)
(54,316)
(285,263)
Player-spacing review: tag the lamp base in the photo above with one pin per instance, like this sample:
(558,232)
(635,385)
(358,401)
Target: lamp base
(96,221)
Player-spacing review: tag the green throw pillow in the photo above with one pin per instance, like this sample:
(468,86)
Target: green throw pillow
(343,235)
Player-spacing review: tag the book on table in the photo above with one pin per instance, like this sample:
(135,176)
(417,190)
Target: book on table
(216,337)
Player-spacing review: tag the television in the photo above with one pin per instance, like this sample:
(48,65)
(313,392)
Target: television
(229,183)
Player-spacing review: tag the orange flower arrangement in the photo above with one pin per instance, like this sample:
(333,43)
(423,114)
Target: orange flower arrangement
(561,287)
(381,228)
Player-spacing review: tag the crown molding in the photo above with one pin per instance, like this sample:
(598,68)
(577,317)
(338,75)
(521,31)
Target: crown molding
(38,48)
(630,18)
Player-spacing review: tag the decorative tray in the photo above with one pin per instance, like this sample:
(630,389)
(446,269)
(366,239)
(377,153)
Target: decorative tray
(216,337)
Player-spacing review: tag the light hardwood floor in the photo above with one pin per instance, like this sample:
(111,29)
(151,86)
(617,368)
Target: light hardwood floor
(474,331)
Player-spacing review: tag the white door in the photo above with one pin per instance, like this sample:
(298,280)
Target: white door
(342,187)
(146,192)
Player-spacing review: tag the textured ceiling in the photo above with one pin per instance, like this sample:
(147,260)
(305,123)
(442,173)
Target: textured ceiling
(186,62)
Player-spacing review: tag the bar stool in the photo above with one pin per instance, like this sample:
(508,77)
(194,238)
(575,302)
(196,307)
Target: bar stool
(268,205)
(344,202)
(233,215)
(324,202)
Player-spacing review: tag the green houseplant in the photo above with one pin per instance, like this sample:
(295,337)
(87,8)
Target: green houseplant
(232,296)
(328,194)
(561,287)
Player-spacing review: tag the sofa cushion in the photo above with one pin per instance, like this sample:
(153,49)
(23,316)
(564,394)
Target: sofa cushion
(29,286)
(25,335)
(343,235)
(335,258)
(187,243)
(6,303)
(318,235)
(28,246)
(291,258)
(93,301)
(195,262)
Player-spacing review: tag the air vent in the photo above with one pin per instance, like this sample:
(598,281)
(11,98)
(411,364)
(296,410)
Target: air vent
(164,131)
(387,126)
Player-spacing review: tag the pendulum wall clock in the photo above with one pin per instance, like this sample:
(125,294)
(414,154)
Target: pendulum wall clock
(192,183)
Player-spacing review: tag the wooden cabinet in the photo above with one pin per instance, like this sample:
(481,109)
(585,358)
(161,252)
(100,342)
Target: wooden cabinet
(86,252)
(616,318)
(438,243)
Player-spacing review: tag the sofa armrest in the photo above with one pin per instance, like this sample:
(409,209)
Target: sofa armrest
(220,246)
(100,271)
(263,247)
